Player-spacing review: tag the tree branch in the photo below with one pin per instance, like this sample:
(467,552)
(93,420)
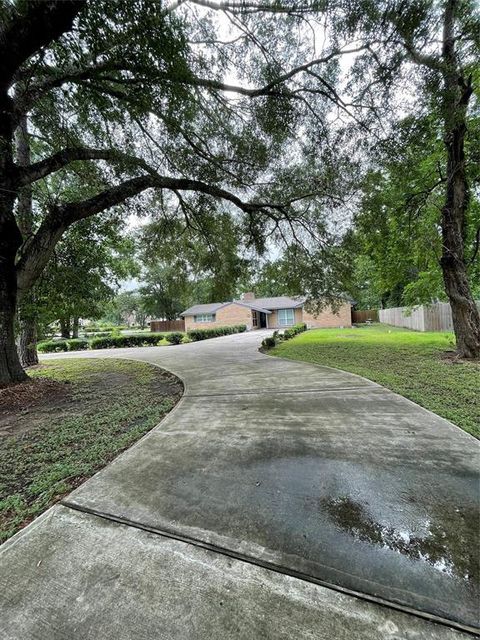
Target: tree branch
(42,168)
(29,26)
(38,249)
(79,75)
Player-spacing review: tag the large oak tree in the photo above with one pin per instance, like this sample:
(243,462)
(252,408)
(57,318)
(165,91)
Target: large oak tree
(140,88)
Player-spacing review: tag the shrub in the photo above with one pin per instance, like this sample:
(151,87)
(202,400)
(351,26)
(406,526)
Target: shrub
(214,332)
(103,329)
(300,327)
(112,342)
(77,344)
(52,346)
(174,338)
(291,332)
(268,343)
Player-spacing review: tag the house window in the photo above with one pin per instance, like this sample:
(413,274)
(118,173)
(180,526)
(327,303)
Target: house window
(254,319)
(205,317)
(286,317)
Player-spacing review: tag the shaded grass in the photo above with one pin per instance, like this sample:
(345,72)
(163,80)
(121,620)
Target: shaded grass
(54,444)
(419,366)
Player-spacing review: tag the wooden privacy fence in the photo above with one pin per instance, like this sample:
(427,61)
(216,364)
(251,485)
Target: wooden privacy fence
(433,317)
(167,325)
(365,315)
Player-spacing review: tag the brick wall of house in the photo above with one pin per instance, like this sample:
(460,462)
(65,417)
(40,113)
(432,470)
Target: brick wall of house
(227,316)
(327,318)
(273,318)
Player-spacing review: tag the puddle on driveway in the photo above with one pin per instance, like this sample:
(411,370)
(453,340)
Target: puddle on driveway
(441,547)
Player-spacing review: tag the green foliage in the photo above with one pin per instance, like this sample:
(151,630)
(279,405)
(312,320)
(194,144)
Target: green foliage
(77,344)
(291,332)
(269,342)
(175,337)
(214,332)
(125,307)
(89,261)
(187,265)
(112,342)
(318,272)
(276,338)
(52,346)
(98,334)
(56,346)
(103,329)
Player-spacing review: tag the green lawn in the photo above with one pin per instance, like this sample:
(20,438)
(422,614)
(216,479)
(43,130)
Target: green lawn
(419,366)
(67,423)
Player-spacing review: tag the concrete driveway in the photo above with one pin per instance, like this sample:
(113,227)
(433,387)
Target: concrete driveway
(277,500)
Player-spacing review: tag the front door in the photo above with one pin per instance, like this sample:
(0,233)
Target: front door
(263,320)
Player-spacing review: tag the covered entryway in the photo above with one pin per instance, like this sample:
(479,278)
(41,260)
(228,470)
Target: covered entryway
(259,319)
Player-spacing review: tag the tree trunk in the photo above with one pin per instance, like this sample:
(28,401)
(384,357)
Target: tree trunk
(27,342)
(65,327)
(457,93)
(75,327)
(24,32)
(10,368)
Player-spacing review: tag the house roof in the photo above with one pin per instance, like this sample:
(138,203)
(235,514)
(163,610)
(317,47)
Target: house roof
(280,302)
(203,308)
(213,307)
(265,305)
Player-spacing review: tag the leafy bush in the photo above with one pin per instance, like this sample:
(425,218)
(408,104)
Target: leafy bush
(112,342)
(291,332)
(77,344)
(268,343)
(103,329)
(175,337)
(214,332)
(98,334)
(52,346)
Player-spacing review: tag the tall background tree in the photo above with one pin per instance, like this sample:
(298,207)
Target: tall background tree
(423,59)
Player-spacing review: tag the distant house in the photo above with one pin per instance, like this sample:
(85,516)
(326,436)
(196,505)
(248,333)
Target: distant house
(264,313)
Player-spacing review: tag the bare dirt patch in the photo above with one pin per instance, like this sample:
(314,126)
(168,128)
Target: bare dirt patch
(20,400)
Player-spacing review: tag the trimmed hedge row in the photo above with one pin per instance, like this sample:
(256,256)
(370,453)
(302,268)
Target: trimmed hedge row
(143,340)
(215,332)
(94,328)
(294,331)
(56,346)
(113,342)
(291,332)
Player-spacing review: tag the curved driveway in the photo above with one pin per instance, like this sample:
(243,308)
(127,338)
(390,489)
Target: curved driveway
(268,500)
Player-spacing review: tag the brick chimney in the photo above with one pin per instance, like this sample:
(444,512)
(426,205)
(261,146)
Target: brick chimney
(249,295)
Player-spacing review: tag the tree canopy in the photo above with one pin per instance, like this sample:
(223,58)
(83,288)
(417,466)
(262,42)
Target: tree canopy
(271,113)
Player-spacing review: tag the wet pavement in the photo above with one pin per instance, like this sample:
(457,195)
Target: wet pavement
(300,470)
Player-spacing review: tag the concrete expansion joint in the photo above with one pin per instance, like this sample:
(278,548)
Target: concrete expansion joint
(263,392)
(163,533)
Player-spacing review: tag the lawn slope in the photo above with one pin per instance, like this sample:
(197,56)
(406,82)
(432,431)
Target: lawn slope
(419,366)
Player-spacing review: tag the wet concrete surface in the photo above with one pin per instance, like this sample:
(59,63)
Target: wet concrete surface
(81,577)
(308,470)
(335,488)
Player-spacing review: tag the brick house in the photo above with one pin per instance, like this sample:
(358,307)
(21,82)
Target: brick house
(264,313)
